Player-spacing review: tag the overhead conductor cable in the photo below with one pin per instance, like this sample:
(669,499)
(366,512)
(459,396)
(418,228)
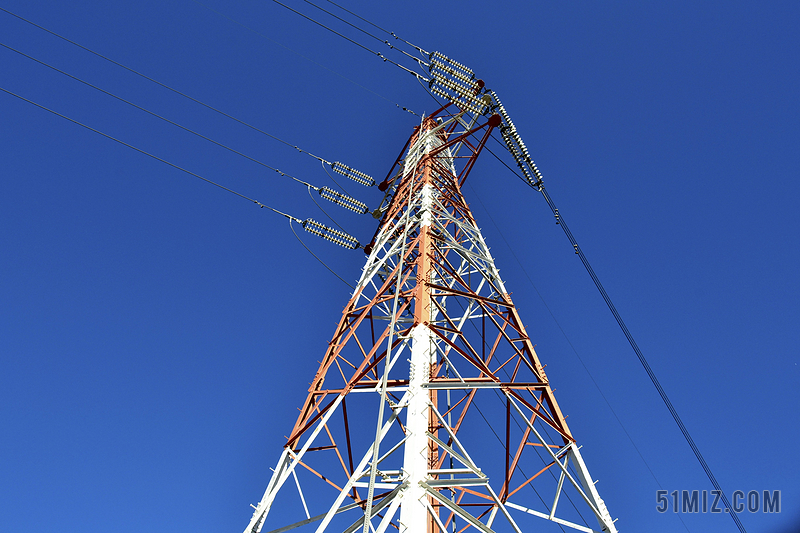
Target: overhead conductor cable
(393,34)
(520,153)
(327,193)
(331,195)
(338,237)
(362,30)
(380,55)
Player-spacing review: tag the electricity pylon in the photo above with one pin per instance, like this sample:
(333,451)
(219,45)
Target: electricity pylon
(430,411)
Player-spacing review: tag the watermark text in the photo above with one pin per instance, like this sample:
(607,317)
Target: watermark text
(711,501)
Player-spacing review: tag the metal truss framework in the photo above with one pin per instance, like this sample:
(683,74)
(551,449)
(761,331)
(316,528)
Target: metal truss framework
(430,410)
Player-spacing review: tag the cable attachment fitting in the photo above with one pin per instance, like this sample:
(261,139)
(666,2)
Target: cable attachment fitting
(343,200)
(353,174)
(335,236)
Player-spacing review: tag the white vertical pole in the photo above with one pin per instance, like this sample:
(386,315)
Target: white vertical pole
(413,510)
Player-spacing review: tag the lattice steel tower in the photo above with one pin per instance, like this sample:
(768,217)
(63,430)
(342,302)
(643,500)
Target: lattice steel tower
(430,411)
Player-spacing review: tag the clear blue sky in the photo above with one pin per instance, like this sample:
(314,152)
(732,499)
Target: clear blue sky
(158,333)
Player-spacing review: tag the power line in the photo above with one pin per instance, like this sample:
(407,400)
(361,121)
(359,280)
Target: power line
(639,354)
(315,255)
(338,167)
(148,154)
(564,333)
(335,236)
(195,100)
(387,43)
(642,359)
(420,50)
(329,194)
(230,19)
(346,22)
(329,29)
(148,78)
(160,117)
(368,49)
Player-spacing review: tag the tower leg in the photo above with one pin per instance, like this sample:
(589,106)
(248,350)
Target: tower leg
(603,517)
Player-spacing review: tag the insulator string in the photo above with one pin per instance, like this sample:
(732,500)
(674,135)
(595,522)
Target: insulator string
(335,236)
